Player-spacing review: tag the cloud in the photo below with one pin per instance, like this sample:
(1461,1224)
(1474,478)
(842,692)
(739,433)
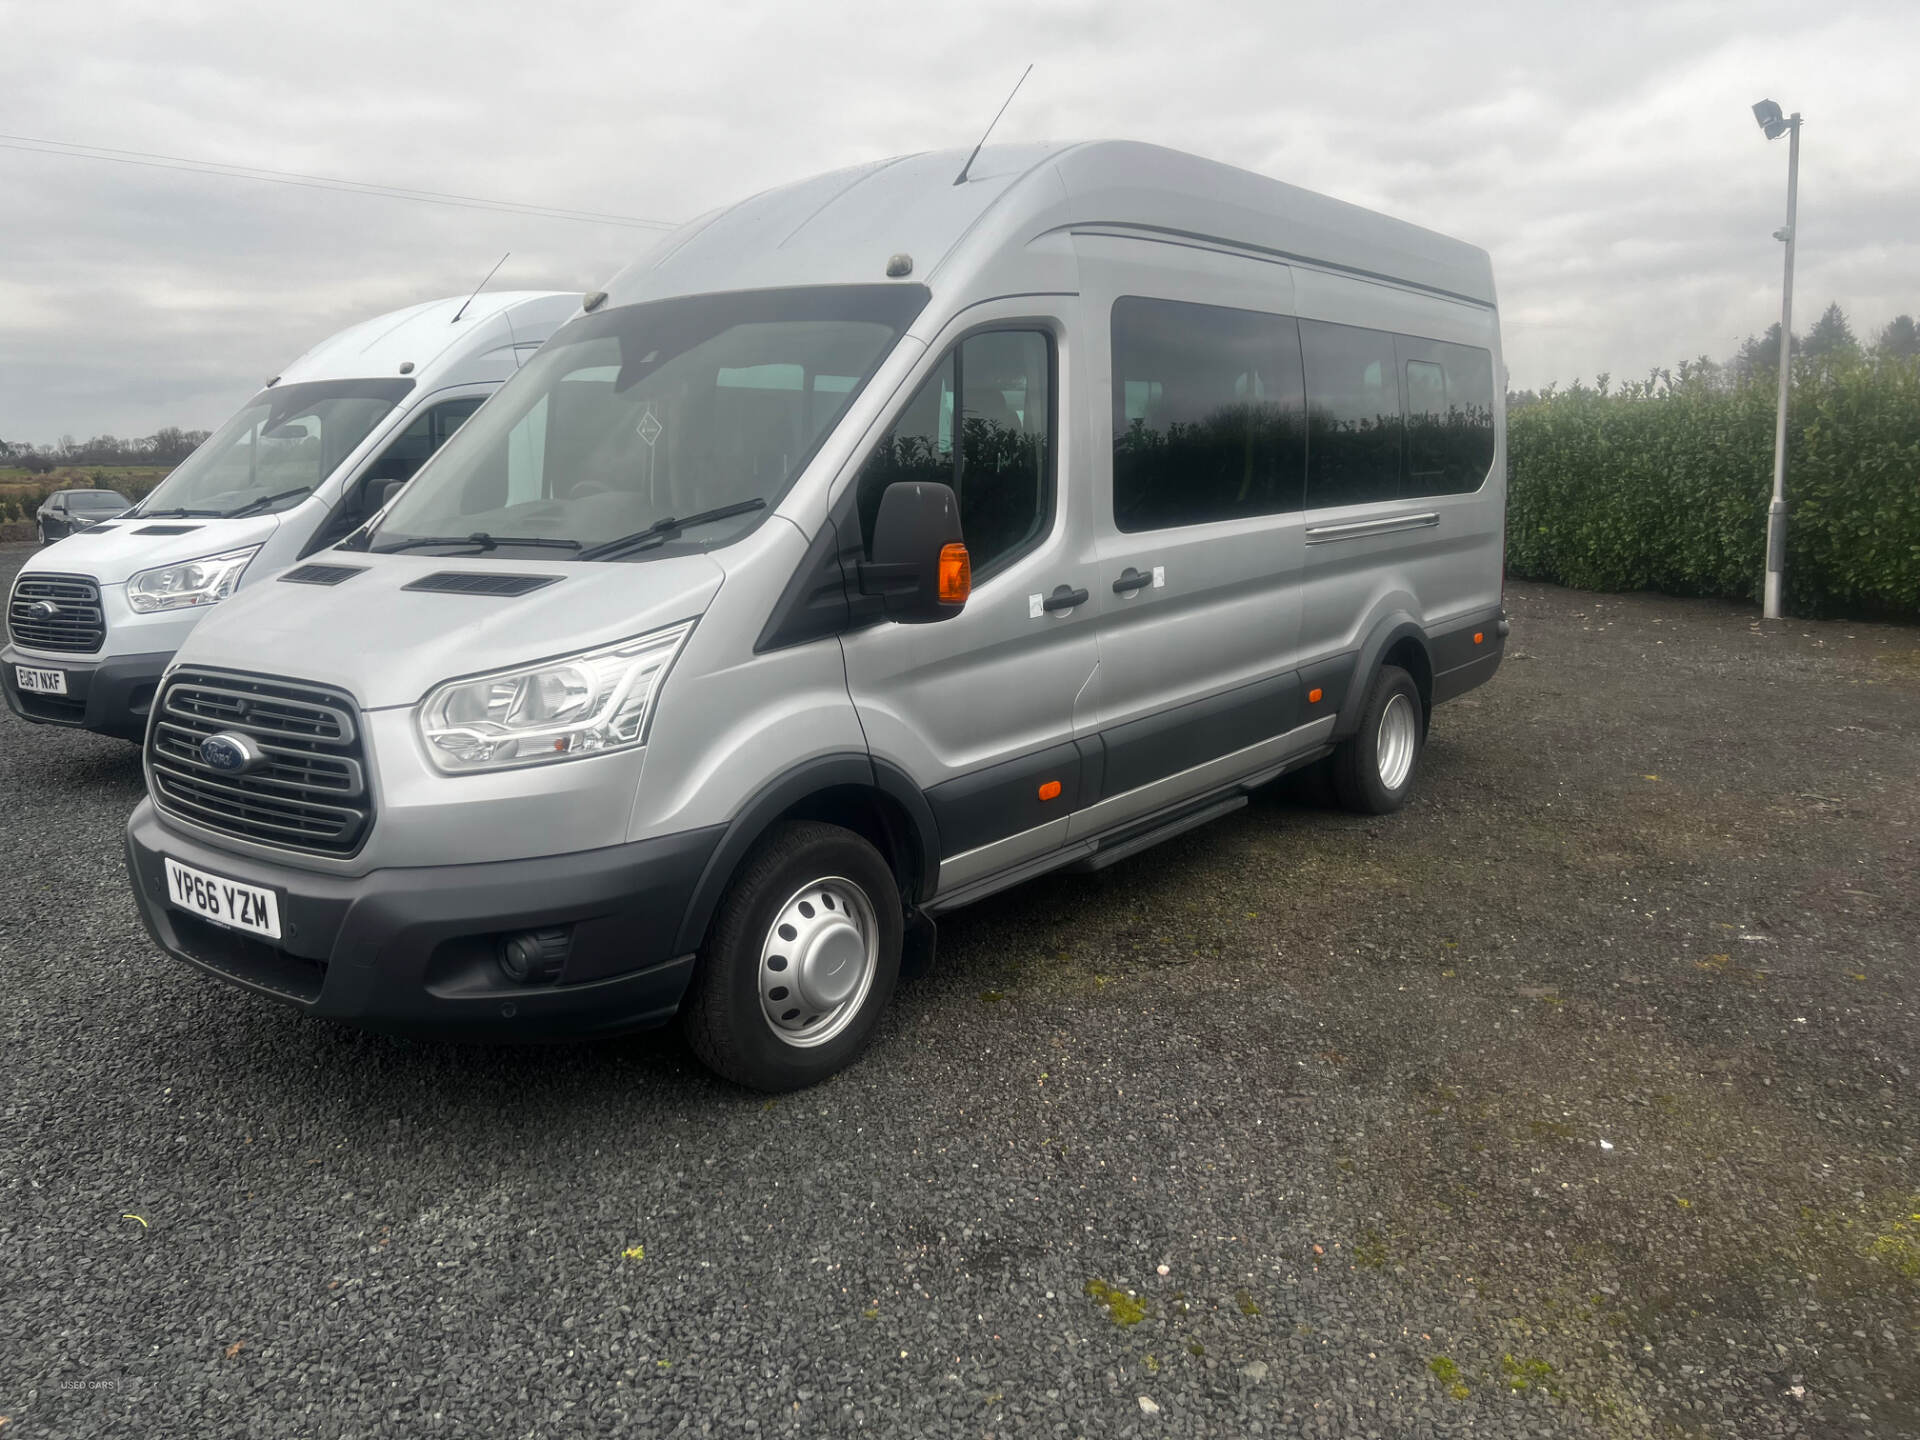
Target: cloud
(1603,154)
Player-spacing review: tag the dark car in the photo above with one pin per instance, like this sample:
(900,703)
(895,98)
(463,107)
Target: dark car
(66,511)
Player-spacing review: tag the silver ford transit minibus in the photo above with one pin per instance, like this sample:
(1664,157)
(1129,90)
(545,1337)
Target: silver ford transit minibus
(871,545)
(93,620)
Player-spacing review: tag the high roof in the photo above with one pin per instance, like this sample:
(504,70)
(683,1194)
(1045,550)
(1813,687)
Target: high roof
(421,334)
(841,227)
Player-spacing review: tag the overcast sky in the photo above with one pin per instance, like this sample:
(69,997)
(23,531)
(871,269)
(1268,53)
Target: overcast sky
(1603,153)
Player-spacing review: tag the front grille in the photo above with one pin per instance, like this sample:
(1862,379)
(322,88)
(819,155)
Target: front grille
(309,791)
(77,625)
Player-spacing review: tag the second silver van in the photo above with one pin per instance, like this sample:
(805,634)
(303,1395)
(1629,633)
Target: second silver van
(872,545)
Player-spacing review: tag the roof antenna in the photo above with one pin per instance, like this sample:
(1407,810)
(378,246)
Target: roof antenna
(478,288)
(961,178)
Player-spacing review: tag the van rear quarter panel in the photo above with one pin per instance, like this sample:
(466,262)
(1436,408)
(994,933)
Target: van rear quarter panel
(1437,574)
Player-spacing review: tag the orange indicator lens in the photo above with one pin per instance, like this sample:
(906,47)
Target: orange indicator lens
(956,574)
(1050,790)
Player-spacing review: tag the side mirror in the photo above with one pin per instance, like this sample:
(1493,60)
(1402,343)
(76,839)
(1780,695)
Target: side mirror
(919,571)
(379,492)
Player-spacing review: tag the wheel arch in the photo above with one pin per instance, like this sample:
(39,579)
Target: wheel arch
(875,800)
(1395,639)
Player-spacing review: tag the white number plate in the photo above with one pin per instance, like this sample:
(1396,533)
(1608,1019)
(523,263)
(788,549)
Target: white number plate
(41,682)
(223,901)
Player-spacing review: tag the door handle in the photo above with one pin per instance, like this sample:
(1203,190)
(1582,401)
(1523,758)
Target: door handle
(1131,580)
(1064,598)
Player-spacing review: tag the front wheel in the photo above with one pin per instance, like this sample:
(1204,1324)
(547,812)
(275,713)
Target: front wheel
(1373,768)
(801,960)
(46,537)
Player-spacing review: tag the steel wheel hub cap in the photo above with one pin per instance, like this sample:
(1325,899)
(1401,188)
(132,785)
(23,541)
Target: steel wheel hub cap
(1399,734)
(817,963)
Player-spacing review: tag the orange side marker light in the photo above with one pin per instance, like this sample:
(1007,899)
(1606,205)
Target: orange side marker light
(1313,696)
(1050,790)
(1478,636)
(956,574)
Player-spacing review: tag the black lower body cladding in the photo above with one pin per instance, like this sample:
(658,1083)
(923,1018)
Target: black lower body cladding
(417,950)
(1466,654)
(110,697)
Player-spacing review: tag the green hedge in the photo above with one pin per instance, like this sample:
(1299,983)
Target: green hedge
(1664,486)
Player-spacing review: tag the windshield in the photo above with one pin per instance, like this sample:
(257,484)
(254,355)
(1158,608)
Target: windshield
(103,500)
(649,414)
(281,445)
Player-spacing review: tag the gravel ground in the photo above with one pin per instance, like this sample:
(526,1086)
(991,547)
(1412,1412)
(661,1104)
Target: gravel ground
(1578,1099)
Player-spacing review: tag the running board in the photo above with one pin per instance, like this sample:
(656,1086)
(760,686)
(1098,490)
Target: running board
(1005,879)
(1082,857)
(1113,851)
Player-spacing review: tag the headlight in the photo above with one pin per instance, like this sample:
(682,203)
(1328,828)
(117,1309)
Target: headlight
(192,582)
(585,704)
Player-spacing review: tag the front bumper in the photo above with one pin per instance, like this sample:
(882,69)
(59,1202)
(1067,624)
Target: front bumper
(109,697)
(415,950)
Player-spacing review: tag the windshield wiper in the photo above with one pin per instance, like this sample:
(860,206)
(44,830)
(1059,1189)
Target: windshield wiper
(254,506)
(479,538)
(176,514)
(666,528)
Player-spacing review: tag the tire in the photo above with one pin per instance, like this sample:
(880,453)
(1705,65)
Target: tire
(1374,768)
(45,538)
(834,889)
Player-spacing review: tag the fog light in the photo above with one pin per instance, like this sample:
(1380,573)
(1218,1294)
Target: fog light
(534,957)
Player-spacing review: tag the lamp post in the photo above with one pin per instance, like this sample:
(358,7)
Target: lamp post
(1767,113)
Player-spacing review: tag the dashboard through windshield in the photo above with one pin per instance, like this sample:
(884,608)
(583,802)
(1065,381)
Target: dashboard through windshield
(675,422)
(278,449)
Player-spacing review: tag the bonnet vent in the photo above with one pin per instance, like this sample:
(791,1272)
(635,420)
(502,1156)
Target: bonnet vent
(480,582)
(321,574)
(166,529)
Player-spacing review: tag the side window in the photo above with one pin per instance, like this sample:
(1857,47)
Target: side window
(982,423)
(1354,430)
(423,435)
(1452,445)
(1207,421)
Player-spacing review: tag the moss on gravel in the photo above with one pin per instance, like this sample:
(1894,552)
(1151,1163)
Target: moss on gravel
(1122,1307)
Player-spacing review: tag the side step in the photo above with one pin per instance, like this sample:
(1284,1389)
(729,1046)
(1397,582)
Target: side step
(1115,850)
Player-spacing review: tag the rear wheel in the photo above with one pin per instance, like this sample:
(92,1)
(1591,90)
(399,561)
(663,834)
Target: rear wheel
(801,960)
(1373,768)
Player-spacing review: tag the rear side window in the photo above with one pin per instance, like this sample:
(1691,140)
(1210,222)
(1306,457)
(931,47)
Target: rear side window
(1355,436)
(1449,417)
(998,457)
(1207,414)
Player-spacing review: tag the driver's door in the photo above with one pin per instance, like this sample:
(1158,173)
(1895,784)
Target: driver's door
(979,710)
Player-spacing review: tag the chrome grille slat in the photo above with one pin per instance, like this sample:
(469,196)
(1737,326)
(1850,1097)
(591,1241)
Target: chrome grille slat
(309,793)
(80,626)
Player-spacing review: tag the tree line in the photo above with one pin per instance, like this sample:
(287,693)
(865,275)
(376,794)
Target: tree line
(1830,343)
(166,446)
